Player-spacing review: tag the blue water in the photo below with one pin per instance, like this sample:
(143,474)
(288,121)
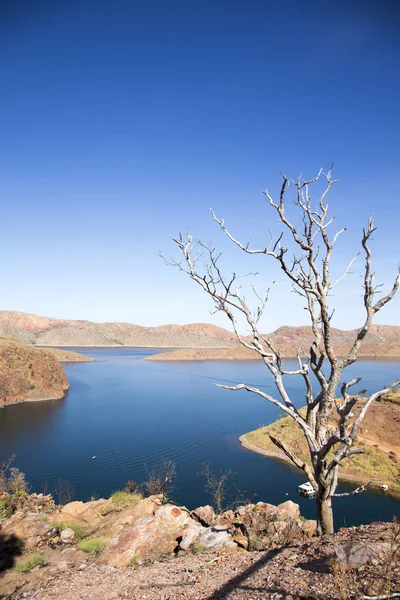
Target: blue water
(132,414)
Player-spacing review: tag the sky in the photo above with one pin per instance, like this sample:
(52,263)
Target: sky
(122,123)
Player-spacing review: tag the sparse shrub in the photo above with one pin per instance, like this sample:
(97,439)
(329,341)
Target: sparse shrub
(93,547)
(36,560)
(131,487)
(198,549)
(125,499)
(79,530)
(160,478)
(13,488)
(119,501)
(302,519)
(135,561)
(216,486)
(64,491)
(11,478)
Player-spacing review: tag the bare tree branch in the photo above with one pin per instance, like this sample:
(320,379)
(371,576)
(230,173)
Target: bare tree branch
(330,425)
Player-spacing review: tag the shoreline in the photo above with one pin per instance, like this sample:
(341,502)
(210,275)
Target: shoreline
(349,478)
(393,358)
(379,357)
(42,397)
(137,346)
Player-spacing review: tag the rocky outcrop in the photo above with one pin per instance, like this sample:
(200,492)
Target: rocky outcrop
(29,374)
(150,537)
(147,530)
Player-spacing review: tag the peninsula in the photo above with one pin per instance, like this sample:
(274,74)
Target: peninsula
(378,436)
(32,374)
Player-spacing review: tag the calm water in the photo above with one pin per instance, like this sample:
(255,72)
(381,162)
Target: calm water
(130,413)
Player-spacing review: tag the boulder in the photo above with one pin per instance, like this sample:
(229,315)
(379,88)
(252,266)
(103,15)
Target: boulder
(281,533)
(95,515)
(352,556)
(63,566)
(241,540)
(256,516)
(228,519)
(67,536)
(150,537)
(87,512)
(204,514)
(216,537)
(146,507)
(309,528)
(191,536)
(288,510)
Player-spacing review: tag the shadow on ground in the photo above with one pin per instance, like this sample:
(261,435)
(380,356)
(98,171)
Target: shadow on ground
(10,547)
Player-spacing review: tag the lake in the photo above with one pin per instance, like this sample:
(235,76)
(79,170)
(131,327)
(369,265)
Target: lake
(132,414)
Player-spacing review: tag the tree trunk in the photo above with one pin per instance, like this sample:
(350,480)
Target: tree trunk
(324,515)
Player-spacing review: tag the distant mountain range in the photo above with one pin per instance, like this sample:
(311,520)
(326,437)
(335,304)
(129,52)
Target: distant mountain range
(44,331)
(382,340)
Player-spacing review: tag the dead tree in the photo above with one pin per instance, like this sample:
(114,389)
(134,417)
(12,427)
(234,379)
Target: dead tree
(309,274)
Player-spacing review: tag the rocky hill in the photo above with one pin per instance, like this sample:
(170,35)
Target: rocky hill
(198,341)
(382,341)
(43,331)
(31,374)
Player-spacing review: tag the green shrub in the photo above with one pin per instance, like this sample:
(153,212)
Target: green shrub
(93,547)
(33,561)
(79,530)
(10,503)
(135,561)
(198,549)
(119,501)
(125,499)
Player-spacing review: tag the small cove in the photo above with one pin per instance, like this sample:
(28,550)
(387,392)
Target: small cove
(130,413)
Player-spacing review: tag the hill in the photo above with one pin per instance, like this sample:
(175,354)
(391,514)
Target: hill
(31,374)
(382,341)
(197,341)
(44,331)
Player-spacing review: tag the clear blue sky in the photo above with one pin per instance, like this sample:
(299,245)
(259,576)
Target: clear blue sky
(122,122)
